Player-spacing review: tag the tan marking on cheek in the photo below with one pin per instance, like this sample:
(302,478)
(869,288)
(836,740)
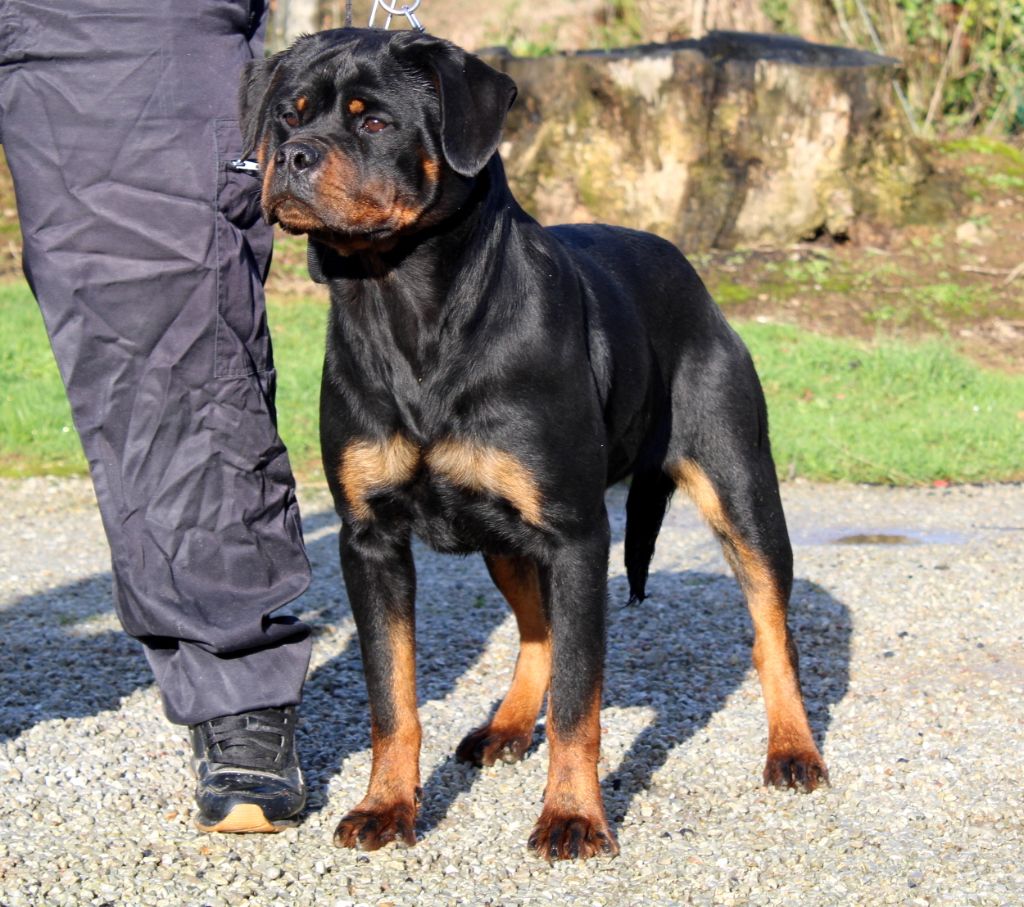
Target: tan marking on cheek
(341,192)
(371,466)
(338,174)
(486,469)
(404,216)
(266,166)
(431,168)
(261,152)
(356,106)
(360,206)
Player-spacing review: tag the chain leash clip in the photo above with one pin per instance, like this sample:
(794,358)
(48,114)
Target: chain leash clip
(393,9)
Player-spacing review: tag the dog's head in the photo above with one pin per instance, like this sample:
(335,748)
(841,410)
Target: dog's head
(362,134)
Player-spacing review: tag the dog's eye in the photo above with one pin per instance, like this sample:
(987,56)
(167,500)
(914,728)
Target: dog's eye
(373,124)
(290,119)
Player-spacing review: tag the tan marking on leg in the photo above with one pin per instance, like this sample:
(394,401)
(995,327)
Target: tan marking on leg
(774,655)
(509,733)
(519,582)
(486,469)
(388,811)
(371,466)
(395,772)
(573,823)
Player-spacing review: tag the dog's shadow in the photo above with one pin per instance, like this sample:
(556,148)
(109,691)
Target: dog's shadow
(688,648)
(679,655)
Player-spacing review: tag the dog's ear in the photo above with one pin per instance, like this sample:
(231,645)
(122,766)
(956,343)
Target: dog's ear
(475,99)
(256,79)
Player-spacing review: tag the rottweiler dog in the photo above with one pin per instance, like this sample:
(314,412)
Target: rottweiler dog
(486,379)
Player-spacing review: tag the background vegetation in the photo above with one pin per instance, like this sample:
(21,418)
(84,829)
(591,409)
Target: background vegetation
(964,60)
(893,412)
(897,357)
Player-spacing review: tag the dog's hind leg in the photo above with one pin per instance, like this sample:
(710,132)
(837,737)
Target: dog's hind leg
(507,736)
(738,495)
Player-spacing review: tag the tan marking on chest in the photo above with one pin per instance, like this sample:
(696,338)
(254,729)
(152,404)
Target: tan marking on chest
(487,469)
(370,466)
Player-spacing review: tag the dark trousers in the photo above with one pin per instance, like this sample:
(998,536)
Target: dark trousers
(147,258)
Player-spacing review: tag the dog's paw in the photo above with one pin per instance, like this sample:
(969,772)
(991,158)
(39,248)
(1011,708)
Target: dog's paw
(371,829)
(567,837)
(800,770)
(487,745)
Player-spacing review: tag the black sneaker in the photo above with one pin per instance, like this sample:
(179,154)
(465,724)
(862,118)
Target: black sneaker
(248,773)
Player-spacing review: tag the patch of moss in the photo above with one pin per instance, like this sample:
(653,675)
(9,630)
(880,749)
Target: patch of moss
(1009,159)
(729,293)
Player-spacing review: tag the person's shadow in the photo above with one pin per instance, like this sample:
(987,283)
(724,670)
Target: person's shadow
(66,639)
(680,654)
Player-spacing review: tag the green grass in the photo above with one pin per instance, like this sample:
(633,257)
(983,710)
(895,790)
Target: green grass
(298,326)
(890,413)
(36,434)
(1002,169)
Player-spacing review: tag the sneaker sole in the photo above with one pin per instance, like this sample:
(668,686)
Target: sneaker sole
(245,819)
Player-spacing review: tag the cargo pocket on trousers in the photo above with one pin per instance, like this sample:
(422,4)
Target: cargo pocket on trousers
(244,244)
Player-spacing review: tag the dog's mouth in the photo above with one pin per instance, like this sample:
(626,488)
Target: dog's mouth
(299,217)
(293,214)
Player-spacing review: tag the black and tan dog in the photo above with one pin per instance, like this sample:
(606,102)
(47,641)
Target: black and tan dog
(486,379)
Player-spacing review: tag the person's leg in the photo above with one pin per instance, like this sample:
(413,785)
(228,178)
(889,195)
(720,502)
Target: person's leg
(147,259)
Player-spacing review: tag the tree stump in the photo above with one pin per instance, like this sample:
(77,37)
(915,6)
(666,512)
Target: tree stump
(735,140)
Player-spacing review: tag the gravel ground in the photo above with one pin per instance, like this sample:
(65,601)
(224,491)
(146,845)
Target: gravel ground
(913,665)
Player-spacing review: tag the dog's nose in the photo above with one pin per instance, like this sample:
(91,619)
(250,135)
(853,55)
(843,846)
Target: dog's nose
(297,157)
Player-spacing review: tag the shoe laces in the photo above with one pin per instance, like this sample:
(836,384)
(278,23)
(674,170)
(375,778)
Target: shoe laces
(260,739)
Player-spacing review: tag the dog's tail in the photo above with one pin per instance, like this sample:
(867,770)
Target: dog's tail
(649,494)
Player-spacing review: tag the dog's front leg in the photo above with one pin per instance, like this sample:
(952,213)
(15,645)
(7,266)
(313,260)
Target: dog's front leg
(381,583)
(572,823)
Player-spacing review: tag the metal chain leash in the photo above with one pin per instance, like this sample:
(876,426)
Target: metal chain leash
(392,9)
